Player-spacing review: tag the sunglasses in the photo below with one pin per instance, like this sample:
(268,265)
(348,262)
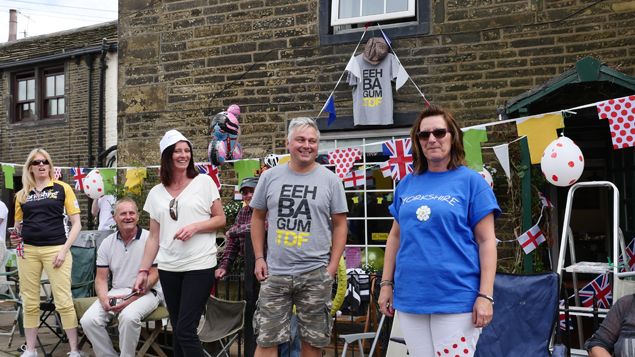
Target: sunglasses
(438,133)
(39,162)
(174,209)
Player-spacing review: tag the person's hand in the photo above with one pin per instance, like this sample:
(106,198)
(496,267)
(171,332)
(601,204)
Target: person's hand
(122,305)
(482,312)
(59,258)
(185,233)
(141,284)
(261,270)
(105,303)
(332,270)
(385,301)
(220,273)
(15,238)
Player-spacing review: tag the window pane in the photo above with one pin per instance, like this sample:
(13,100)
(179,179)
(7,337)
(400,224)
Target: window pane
(356,232)
(60,106)
(21,90)
(50,86)
(378,203)
(355,202)
(27,110)
(59,85)
(378,231)
(373,7)
(52,107)
(349,8)
(30,89)
(396,5)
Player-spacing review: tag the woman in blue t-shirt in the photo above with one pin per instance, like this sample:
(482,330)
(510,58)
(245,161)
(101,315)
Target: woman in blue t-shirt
(440,258)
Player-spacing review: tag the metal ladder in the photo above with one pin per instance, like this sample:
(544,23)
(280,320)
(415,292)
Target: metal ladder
(589,267)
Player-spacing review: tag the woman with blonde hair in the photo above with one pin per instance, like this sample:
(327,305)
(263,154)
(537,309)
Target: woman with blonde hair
(39,217)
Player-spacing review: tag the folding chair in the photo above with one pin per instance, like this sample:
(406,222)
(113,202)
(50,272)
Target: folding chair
(223,321)
(82,285)
(529,303)
(10,297)
(371,319)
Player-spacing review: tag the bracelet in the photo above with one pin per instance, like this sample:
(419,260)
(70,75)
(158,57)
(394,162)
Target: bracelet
(144,271)
(484,296)
(386,283)
(259,258)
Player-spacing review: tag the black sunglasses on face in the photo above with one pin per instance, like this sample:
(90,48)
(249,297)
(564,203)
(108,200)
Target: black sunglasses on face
(174,209)
(39,162)
(438,133)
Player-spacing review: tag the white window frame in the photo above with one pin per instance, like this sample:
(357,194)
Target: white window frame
(336,21)
(329,142)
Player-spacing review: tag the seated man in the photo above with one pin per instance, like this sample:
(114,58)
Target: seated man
(616,334)
(120,254)
(236,234)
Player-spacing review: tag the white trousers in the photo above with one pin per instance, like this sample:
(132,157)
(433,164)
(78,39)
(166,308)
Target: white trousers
(439,334)
(95,320)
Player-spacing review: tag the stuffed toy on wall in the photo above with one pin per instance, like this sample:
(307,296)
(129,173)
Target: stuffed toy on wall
(224,129)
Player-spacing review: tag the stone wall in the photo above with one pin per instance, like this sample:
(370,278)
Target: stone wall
(183,60)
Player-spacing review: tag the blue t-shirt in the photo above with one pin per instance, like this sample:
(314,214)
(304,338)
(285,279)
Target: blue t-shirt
(437,268)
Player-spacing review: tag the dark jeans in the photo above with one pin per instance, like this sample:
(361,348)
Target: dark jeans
(186,294)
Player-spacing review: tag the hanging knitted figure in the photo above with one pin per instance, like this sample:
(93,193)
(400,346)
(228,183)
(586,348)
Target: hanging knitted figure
(224,130)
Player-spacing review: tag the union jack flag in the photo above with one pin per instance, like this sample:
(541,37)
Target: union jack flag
(601,287)
(563,320)
(400,160)
(211,171)
(630,256)
(78,176)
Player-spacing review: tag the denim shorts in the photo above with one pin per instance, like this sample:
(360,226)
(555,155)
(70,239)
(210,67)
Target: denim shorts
(310,292)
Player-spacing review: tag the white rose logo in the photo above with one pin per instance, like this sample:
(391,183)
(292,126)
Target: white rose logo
(423,213)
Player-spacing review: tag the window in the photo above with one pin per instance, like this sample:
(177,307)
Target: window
(342,21)
(39,94)
(369,220)
(344,12)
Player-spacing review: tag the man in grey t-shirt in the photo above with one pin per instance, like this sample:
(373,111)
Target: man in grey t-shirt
(305,207)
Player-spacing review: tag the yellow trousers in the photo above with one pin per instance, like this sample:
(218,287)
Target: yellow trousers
(30,269)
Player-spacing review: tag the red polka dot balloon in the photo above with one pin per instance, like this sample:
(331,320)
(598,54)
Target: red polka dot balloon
(562,162)
(94,184)
(487,176)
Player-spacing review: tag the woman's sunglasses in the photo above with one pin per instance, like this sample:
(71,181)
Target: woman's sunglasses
(39,162)
(174,209)
(438,133)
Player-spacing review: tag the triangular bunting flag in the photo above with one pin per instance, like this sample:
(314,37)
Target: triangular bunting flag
(343,159)
(402,77)
(329,107)
(502,154)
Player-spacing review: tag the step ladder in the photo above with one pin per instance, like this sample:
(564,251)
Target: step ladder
(597,268)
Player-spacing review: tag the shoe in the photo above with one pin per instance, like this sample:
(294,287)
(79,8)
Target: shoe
(29,354)
(75,354)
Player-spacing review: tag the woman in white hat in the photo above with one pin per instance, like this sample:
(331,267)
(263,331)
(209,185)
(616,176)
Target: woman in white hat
(185,213)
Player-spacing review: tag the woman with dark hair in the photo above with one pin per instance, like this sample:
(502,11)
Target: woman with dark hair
(185,213)
(39,217)
(440,258)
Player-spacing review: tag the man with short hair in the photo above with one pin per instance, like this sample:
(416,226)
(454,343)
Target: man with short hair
(235,243)
(120,255)
(305,206)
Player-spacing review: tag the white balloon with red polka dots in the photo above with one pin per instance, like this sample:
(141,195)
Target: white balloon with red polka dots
(94,184)
(562,162)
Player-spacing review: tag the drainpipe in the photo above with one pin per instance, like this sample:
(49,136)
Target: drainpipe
(89,63)
(102,90)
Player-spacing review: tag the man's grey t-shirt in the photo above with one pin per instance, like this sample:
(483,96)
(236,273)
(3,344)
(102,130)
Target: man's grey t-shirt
(299,208)
(372,94)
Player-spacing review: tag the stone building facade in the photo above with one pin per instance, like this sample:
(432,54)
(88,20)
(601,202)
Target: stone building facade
(51,98)
(278,59)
